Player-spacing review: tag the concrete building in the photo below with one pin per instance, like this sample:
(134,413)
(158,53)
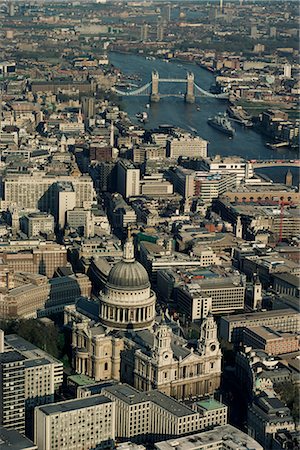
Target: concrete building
(271,341)
(150,416)
(66,201)
(229,164)
(32,353)
(219,438)
(155,186)
(43,258)
(35,295)
(188,146)
(75,424)
(231,327)
(120,213)
(266,416)
(13,440)
(38,191)
(35,224)
(12,391)
(128,184)
(220,294)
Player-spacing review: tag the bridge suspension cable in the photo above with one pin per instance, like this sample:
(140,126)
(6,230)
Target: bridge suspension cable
(146,89)
(140,91)
(209,94)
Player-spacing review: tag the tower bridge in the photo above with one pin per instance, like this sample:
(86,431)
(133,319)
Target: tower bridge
(151,89)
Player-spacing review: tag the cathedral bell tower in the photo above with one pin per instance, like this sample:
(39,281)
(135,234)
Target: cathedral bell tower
(208,343)
(162,344)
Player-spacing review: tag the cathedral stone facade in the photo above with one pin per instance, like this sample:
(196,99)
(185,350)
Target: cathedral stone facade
(120,339)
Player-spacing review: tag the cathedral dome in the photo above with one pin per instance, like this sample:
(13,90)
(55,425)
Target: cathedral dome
(128,274)
(127,299)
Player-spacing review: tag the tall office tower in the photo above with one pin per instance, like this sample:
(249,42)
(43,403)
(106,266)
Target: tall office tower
(289,178)
(144,32)
(221,5)
(160,31)
(12,391)
(128,179)
(253,32)
(11,9)
(88,107)
(273,32)
(287,71)
(166,13)
(66,201)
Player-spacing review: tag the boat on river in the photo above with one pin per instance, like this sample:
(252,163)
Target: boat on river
(221,123)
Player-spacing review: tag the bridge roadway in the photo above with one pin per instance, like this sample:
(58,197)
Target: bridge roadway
(275,162)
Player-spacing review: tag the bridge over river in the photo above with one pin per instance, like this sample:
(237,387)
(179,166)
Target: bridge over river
(257,164)
(151,89)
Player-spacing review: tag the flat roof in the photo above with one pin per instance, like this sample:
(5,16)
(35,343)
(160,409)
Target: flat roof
(81,379)
(210,404)
(132,396)
(234,439)
(72,405)
(13,440)
(260,315)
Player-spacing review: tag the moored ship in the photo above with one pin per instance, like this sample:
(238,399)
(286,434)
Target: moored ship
(221,123)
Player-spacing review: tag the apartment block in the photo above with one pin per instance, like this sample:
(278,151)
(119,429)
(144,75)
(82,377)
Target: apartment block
(12,391)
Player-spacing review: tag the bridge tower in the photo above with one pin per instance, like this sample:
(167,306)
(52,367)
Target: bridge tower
(154,97)
(190,95)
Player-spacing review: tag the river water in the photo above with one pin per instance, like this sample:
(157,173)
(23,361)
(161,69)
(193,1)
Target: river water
(174,111)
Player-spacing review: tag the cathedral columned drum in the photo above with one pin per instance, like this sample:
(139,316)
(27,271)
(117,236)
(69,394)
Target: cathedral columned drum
(127,300)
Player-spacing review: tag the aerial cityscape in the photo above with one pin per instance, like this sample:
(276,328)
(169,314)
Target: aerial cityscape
(149,225)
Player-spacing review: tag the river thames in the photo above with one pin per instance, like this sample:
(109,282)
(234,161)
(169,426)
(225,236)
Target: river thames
(174,111)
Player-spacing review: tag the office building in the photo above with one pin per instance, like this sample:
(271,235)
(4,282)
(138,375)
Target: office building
(38,191)
(75,424)
(231,327)
(219,438)
(12,391)
(128,184)
(120,213)
(34,224)
(254,32)
(88,108)
(188,146)
(38,296)
(266,416)
(13,440)
(66,201)
(152,415)
(155,186)
(271,341)
(242,168)
(144,32)
(287,71)
(44,258)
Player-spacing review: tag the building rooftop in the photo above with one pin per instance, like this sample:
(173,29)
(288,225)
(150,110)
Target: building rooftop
(259,315)
(210,404)
(132,396)
(11,356)
(72,405)
(13,440)
(234,438)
